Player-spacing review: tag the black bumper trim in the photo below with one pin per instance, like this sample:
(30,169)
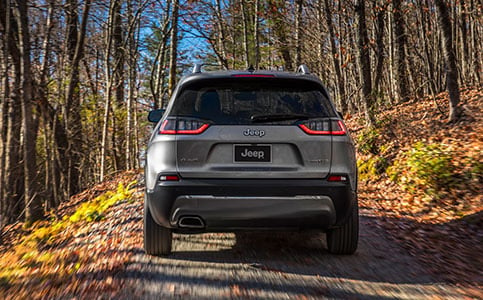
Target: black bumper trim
(162,199)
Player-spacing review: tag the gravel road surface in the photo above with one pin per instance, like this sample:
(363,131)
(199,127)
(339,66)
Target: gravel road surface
(286,265)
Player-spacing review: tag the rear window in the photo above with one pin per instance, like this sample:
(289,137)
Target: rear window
(242,101)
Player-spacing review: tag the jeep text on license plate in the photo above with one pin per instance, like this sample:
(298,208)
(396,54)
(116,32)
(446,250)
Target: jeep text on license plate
(252,153)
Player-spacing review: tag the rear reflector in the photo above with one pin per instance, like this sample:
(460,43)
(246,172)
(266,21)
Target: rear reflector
(323,127)
(253,75)
(169,178)
(337,178)
(183,127)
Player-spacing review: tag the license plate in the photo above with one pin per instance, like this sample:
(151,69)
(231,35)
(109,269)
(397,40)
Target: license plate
(252,153)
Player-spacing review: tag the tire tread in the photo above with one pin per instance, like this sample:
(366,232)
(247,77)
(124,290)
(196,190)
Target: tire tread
(157,239)
(344,239)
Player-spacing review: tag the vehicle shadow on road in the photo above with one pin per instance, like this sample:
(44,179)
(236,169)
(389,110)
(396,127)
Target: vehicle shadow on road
(377,259)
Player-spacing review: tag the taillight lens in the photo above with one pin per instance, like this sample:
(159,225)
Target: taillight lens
(168,178)
(337,178)
(324,127)
(182,126)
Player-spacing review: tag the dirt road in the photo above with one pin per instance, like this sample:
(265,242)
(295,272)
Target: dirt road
(281,266)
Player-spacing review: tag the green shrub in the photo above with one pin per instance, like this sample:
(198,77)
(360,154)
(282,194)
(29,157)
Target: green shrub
(371,168)
(367,141)
(425,167)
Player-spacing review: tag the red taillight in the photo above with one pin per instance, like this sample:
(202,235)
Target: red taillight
(338,128)
(337,178)
(253,75)
(312,131)
(168,127)
(182,127)
(324,127)
(169,178)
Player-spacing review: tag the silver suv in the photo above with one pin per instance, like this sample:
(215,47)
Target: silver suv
(250,150)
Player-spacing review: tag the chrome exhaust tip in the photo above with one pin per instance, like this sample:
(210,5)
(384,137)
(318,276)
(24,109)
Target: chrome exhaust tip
(191,222)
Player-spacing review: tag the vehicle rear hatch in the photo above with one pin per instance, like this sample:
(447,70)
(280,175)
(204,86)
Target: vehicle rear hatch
(252,128)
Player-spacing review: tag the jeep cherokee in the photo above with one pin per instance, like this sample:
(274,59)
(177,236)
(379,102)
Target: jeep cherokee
(250,150)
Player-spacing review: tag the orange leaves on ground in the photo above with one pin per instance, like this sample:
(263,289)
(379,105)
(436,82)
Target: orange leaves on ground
(444,232)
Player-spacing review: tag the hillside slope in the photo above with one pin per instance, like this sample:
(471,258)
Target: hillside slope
(80,250)
(424,179)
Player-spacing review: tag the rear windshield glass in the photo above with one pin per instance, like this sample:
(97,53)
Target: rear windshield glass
(252,100)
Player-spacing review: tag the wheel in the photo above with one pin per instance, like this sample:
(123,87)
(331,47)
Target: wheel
(343,240)
(157,239)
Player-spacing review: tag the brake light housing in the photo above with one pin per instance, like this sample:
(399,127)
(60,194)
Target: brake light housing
(170,177)
(183,126)
(338,178)
(324,127)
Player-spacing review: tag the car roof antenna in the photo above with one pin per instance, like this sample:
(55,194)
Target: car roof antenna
(251,68)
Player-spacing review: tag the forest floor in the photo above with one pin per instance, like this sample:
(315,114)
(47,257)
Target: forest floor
(412,245)
(443,229)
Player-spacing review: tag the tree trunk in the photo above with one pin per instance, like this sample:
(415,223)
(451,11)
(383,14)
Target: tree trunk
(365,63)
(108,81)
(118,133)
(380,49)
(157,79)
(246,50)
(32,199)
(132,50)
(335,59)
(173,48)
(221,36)
(299,7)
(402,74)
(256,34)
(455,111)
(75,50)
(5,105)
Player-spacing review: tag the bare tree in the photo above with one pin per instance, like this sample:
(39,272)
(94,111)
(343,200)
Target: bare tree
(455,111)
(401,39)
(365,62)
(32,199)
(335,56)
(173,48)
(75,52)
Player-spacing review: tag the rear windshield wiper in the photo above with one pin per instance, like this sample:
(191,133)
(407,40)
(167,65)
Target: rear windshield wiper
(278,117)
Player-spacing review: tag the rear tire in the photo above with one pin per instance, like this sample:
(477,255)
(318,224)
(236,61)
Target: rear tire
(344,239)
(157,239)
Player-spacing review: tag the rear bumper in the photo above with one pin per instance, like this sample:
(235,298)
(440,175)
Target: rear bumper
(225,204)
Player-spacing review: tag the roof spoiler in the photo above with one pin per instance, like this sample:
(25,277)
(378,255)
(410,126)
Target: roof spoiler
(303,69)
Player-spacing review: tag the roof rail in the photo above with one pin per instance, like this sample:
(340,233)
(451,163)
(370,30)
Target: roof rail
(197,68)
(303,69)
